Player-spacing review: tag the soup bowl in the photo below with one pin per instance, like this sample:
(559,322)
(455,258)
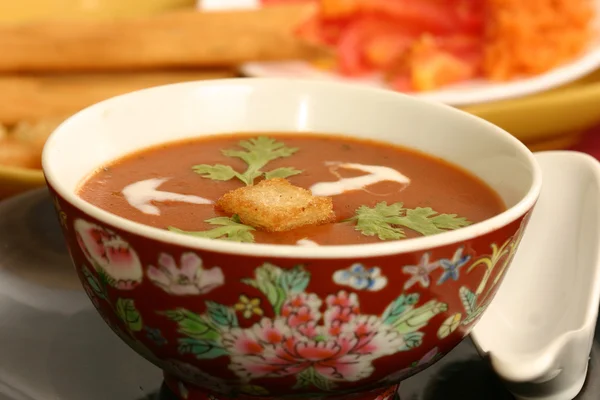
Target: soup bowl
(245,320)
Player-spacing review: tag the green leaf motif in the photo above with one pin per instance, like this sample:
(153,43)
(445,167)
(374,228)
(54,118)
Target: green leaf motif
(450,325)
(254,390)
(218,172)
(387,222)
(126,310)
(468,299)
(417,318)
(311,378)
(94,283)
(472,317)
(193,325)
(105,279)
(201,349)
(412,340)
(256,153)
(295,280)
(398,307)
(230,228)
(283,173)
(267,280)
(221,316)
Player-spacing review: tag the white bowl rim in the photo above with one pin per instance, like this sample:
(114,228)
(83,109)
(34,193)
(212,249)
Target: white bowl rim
(353,251)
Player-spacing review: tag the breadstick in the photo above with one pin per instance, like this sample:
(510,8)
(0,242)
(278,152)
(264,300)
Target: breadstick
(35,97)
(178,39)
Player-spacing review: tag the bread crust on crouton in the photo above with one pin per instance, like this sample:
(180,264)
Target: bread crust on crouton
(275,205)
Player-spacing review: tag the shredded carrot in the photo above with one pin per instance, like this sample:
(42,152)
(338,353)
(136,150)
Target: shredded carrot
(529,37)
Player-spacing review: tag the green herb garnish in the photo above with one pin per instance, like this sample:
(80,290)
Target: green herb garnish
(257,153)
(387,221)
(230,229)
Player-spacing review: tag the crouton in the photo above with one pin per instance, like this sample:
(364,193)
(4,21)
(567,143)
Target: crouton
(275,205)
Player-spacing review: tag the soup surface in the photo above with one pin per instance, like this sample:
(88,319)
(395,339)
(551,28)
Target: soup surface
(378,191)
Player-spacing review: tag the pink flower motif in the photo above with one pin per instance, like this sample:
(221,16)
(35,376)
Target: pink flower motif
(341,309)
(420,272)
(109,253)
(189,278)
(340,346)
(302,312)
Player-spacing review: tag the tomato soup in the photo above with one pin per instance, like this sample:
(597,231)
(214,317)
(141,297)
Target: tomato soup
(304,189)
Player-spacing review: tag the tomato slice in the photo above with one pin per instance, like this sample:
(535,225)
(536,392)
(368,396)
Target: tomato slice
(402,83)
(471,15)
(416,44)
(438,70)
(371,43)
(466,48)
(381,51)
(349,50)
(426,15)
(433,66)
(317,31)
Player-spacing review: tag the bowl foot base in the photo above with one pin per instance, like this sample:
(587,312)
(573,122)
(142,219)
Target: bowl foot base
(185,391)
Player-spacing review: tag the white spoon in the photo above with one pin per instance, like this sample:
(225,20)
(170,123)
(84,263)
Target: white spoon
(538,330)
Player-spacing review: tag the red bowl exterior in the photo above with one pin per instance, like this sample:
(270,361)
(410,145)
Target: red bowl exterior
(240,325)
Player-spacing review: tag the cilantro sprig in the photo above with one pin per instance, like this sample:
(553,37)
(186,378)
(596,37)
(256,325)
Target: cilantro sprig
(229,228)
(388,221)
(256,153)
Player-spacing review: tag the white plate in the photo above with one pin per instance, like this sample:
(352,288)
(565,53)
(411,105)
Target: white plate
(466,93)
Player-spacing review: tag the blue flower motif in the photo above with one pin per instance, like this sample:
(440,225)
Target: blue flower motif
(357,276)
(155,335)
(452,267)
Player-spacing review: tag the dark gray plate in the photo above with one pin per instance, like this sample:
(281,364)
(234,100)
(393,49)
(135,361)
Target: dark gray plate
(54,346)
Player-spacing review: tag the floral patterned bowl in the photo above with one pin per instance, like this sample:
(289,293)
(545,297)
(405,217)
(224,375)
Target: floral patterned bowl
(240,320)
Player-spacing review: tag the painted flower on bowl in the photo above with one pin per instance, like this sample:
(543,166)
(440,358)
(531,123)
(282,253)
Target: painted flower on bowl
(187,278)
(452,266)
(109,254)
(319,342)
(249,307)
(420,272)
(357,276)
(340,348)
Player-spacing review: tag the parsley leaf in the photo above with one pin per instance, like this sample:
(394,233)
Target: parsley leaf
(256,153)
(378,221)
(230,229)
(427,222)
(387,221)
(282,173)
(216,172)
